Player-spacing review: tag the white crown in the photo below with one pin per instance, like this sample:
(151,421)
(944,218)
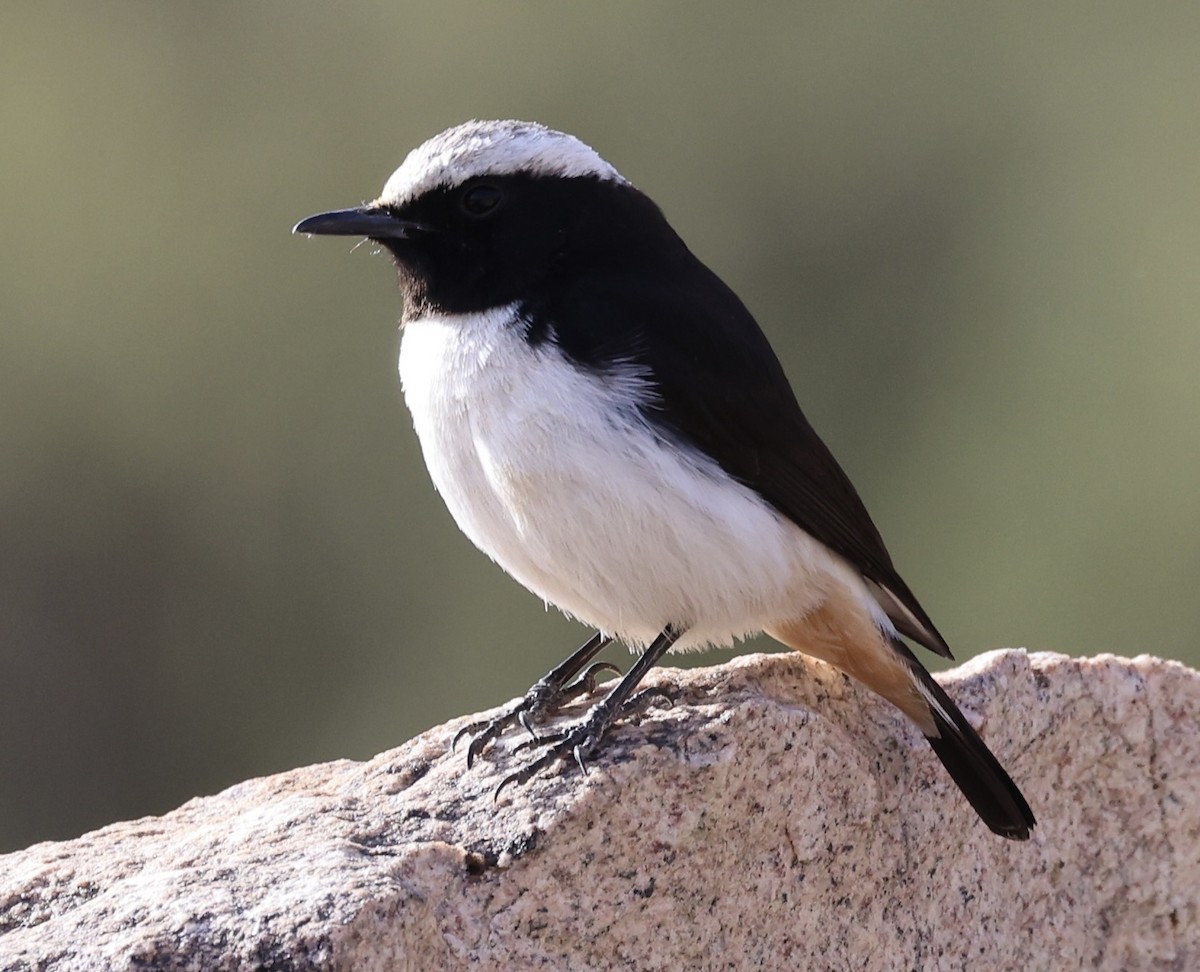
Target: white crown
(478,148)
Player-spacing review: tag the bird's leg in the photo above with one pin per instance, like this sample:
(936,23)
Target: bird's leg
(584,685)
(634,705)
(547,695)
(578,741)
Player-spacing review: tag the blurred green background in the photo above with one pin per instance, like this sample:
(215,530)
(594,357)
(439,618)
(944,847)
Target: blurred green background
(971,231)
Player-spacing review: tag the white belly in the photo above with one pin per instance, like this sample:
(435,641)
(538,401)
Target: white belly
(553,474)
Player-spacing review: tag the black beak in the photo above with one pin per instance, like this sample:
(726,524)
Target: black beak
(369,221)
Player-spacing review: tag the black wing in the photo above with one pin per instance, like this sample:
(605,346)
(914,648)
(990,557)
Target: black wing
(723,392)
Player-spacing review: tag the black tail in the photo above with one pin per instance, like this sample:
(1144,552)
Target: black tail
(983,781)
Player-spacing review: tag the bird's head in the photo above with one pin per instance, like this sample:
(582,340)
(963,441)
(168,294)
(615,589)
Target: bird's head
(483,213)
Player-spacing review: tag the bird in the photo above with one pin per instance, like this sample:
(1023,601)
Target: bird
(605,419)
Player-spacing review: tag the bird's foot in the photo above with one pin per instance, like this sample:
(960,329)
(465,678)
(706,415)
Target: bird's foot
(580,740)
(576,743)
(546,698)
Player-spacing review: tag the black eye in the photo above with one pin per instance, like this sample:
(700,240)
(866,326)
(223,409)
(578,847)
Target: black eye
(480,200)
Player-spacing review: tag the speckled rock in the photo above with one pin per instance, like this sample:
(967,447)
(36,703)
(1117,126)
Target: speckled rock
(768,814)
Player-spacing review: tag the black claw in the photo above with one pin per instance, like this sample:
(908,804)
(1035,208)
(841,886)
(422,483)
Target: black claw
(642,701)
(480,742)
(487,731)
(547,696)
(464,731)
(587,682)
(573,745)
(526,723)
(580,739)
(468,730)
(526,773)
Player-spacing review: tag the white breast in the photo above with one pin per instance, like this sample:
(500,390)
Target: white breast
(551,471)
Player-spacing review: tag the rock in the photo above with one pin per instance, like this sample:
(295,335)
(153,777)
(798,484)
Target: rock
(772,815)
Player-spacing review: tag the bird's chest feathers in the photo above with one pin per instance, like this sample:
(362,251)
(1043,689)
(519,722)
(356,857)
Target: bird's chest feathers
(553,471)
(508,429)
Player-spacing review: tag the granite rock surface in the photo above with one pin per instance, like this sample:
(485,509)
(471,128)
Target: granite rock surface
(766,813)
